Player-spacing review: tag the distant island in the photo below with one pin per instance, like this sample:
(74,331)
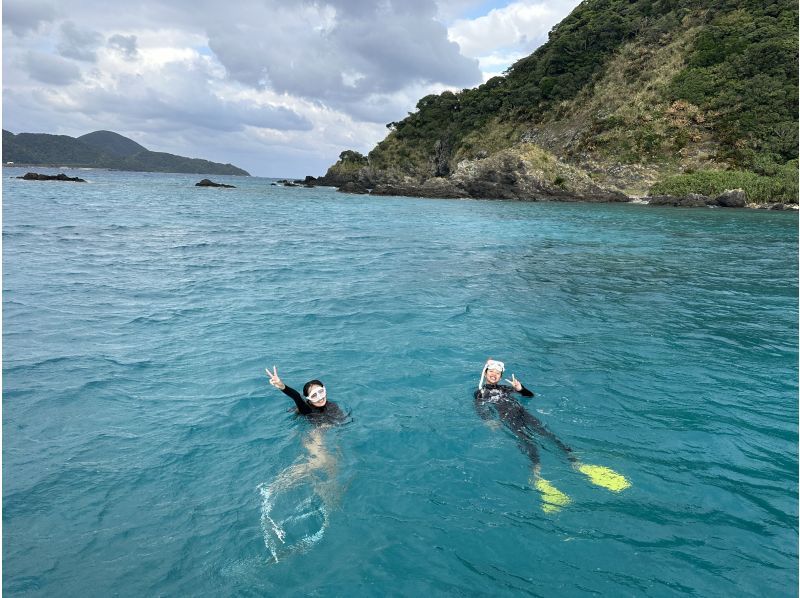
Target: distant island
(672,98)
(101,149)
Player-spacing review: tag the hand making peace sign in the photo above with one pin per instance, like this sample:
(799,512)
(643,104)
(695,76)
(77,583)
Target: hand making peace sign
(274,379)
(515,383)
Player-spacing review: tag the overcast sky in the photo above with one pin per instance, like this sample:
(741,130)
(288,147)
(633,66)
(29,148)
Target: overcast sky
(275,87)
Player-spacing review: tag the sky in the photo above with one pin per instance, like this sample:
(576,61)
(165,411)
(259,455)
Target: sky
(278,88)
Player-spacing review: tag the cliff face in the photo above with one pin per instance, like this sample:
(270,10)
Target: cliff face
(623,95)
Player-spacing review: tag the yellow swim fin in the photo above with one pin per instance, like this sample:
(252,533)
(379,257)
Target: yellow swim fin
(552,498)
(605,477)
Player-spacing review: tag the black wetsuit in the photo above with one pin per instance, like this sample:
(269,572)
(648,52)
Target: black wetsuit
(521,423)
(329,413)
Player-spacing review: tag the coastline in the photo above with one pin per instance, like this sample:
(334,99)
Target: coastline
(689,201)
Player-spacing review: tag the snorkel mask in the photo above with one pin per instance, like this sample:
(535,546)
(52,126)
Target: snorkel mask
(497,366)
(318,395)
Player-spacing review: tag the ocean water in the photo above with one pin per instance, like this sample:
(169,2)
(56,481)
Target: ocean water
(145,454)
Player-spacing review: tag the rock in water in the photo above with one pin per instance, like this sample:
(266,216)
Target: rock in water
(208,183)
(35,176)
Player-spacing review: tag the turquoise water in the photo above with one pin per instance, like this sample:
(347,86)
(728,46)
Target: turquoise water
(145,454)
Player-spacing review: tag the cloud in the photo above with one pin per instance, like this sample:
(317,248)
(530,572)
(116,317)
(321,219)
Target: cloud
(77,43)
(51,69)
(125,44)
(343,53)
(172,91)
(516,29)
(27,16)
(263,82)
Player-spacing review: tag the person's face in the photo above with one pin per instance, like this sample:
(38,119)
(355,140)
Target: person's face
(317,395)
(493,376)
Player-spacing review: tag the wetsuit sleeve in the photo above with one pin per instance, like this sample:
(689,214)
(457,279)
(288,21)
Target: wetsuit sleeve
(525,392)
(302,406)
(481,407)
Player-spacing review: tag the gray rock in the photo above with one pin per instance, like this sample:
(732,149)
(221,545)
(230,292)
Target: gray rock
(35,176)
(353,187)
(732,198)
(208,183)
(693,200)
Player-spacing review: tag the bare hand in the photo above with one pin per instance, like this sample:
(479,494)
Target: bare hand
(274,379)
(515,383)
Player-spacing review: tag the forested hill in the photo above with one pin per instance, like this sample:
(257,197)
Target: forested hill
(101,149)
(626,92)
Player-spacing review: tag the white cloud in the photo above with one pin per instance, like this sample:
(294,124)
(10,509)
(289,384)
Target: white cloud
(264,84)
(512,32)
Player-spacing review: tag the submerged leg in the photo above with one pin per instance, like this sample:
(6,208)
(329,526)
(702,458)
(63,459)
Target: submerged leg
(597,474)
(318,471)
(552,498)
(533,424)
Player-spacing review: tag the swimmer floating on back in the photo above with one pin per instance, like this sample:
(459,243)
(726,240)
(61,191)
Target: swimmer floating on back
(492,396)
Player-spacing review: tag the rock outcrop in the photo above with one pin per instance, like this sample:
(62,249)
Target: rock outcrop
(208,183)
(524,172)
(730,198)
(353,187)
(35,176)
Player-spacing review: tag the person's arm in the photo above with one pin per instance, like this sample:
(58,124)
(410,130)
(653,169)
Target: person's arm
(517,385)
(302,406)
(275,380)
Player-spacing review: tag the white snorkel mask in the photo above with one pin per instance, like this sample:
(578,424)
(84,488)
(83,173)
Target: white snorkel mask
(492,364)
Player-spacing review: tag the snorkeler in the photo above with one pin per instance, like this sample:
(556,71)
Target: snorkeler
(318,471)
(316,406)
(498,397)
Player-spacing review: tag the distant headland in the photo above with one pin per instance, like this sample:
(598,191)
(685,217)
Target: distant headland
(101,149)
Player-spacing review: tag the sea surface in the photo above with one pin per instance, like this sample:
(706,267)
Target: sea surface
(145,453)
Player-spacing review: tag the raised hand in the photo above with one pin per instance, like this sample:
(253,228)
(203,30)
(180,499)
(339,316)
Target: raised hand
(274,379)
(515,383)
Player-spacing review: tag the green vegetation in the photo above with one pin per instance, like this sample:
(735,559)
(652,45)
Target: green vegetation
(783,187)
(668,84)
(101,149)
(743,70)
(112,143)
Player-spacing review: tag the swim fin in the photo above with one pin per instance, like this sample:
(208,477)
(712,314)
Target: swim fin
(552,498)
(605,477)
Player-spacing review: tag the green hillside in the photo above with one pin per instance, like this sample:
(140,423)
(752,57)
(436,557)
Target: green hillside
(112,143)
(101,149)
(34,148)
(632,93)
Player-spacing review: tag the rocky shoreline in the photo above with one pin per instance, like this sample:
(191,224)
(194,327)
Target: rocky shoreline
(511,184)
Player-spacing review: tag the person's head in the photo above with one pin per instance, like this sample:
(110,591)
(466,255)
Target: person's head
(494,371)
(314,391)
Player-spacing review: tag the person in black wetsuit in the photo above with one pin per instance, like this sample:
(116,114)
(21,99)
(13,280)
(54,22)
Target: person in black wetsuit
(494,398)
(315,407)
